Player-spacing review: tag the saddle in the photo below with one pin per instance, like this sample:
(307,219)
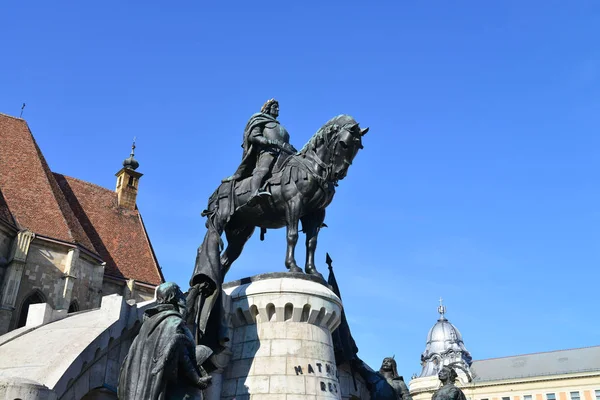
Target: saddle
(243,186)
(280,163)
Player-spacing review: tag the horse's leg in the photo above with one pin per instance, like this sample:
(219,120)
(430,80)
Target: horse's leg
(292,216)
(236,239)
(312,225)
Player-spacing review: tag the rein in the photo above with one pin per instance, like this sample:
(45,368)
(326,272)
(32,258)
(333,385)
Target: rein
(328,139)
(328,167)
(320,179)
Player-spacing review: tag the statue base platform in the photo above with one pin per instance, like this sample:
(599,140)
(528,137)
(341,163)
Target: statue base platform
(281,345)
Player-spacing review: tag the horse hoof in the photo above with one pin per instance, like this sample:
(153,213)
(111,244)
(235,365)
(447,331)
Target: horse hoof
(295,269)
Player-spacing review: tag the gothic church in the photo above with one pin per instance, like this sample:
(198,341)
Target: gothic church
(64,241)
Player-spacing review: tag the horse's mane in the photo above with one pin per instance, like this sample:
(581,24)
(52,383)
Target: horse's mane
(324,134)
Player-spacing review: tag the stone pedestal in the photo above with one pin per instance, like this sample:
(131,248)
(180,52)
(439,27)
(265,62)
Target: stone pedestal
(281,340)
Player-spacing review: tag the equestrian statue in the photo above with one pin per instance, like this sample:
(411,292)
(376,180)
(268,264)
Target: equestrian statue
(275,186)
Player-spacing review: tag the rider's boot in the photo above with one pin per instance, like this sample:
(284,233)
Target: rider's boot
(257,194)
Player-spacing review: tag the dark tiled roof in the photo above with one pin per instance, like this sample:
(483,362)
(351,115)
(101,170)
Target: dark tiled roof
(538,364)
(30,192)
(118,234)
(68,209)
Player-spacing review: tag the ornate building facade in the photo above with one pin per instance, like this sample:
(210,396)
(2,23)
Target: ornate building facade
(64,241)
(572,374)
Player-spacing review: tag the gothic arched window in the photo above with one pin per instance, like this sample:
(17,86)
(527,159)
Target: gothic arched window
(36,297)
(73,307)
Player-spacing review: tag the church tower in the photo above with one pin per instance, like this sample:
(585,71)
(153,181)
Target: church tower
(127,182)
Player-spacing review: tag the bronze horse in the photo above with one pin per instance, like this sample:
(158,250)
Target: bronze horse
(301,187)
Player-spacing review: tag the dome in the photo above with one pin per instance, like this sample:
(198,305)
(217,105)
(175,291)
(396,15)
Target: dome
(131,163)
(444,346)
(443,335)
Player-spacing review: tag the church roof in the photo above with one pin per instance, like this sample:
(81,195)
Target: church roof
(32,196)
(118,234)
(558,362)
(68,209)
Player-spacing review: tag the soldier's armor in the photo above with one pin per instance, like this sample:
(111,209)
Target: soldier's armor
(275,131)
(259,161)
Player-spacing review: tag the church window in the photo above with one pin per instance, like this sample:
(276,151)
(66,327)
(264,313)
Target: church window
(73,307)
(550,396)
(130,181)
(119,181)
(34,298)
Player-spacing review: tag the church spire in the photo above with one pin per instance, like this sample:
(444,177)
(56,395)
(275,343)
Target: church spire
(127,181)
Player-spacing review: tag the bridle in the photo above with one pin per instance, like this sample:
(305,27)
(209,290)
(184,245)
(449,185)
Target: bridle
(330,135)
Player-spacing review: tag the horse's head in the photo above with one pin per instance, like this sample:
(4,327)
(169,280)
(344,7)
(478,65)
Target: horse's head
(347,142)
(336,145)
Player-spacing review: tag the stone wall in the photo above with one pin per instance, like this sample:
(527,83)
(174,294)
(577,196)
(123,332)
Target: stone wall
(144,294)
(87,290)
(347,384)
(87,351)
(43,271)
(61,278)
(110,286)
(60,274)
(6,237)
(131,290)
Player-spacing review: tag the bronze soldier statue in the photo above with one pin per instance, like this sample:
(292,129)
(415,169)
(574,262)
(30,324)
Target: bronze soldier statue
(311,175)
(392,385)
(448,391)
(163,361)
(264,140)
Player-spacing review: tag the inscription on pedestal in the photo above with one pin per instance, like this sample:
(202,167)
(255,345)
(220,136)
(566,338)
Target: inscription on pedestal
(323,369)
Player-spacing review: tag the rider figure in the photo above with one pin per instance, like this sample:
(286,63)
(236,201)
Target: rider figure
(264,139)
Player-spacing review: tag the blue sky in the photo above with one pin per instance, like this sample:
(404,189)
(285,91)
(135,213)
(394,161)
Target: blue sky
(479,178)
